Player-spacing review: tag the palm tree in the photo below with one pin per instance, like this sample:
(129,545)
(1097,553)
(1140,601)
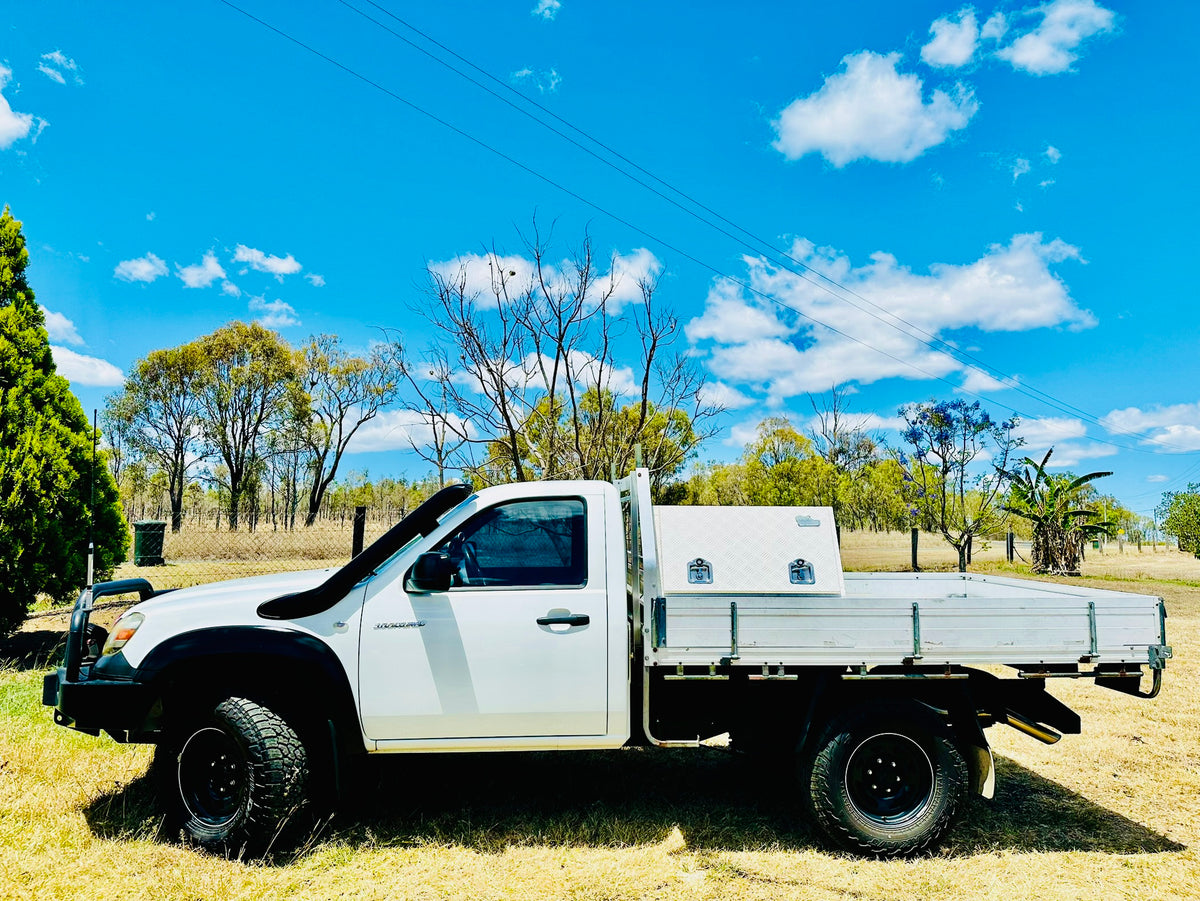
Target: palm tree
(1059,527)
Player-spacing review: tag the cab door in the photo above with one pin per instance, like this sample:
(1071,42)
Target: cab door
(517,647)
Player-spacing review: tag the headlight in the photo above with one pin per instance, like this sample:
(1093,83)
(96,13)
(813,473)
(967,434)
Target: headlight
(123,630)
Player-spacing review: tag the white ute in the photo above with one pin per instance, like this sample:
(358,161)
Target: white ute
(572,615)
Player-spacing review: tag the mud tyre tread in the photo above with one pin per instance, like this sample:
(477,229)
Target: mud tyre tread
(261,786)
(866,824)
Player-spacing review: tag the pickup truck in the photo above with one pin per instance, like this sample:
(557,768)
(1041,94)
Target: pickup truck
(573,615)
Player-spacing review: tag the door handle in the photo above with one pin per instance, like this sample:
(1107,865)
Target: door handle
(569,619)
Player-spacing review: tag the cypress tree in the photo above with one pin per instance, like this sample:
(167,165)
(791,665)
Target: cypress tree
(45,458)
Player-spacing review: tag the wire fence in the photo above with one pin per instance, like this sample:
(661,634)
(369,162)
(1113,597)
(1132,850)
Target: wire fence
(205,549)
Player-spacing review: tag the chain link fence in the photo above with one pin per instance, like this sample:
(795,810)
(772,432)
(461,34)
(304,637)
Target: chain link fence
(205,549)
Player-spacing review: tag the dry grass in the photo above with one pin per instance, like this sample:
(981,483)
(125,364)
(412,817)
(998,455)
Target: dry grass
(1111,813)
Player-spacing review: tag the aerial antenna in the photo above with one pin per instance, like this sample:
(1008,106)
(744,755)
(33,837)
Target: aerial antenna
(91,563)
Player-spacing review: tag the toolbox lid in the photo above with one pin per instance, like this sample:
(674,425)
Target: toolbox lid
(748,550)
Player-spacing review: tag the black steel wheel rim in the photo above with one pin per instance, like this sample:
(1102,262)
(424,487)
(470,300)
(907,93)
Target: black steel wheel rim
(213,776)
(889,779)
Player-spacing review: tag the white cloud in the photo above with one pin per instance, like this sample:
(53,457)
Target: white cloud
(84,370)
(546,81)
(1052,154)
(52,74)
(1158,477)
(773,349)
(954,40)
(231,289)
(485,274)
(742,433)
(60,59)
(873,422)
(1045,182)
(317,281)
(870,110)
(1066,435)
(1041,434)
(976,381)
(55,64)
(202,274)
(625,274)
(1172,429)
(724,396)
(275,313)
(150,216)
(1052,45)
(546,9)
(1071,454)
(866,422)
(60,328)
(729,319)
(589,371)
(393,430)
(1021,167)
(142,269)
(994,28)
(259,261)
(13,125)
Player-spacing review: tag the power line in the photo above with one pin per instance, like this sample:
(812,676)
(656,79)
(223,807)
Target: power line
(650,236)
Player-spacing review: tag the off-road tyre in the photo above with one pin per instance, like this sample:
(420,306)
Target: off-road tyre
(885,779)
(233,782)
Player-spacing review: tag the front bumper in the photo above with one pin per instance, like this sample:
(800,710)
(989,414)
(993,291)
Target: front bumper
(119,707)
(90,693)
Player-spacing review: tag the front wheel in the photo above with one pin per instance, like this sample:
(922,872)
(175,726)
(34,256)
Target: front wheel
(886,779)
(236,779)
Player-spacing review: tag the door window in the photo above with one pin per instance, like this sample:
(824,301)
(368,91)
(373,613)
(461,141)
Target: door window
(526,544)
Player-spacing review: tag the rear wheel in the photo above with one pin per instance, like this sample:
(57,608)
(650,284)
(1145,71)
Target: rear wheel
(235,780)
(886,779)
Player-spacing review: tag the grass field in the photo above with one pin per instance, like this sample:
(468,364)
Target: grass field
(1111,813)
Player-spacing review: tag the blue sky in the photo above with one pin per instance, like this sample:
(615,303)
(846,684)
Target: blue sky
(1012,179)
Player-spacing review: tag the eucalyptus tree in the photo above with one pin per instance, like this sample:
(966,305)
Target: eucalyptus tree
(249,381)
(159,414)
(344,392)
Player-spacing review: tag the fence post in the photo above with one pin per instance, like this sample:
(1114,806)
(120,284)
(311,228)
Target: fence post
(914,551)
(1010,546)
(360,526)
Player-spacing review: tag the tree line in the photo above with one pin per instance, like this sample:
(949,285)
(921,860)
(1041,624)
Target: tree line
(957,473)
(241,410)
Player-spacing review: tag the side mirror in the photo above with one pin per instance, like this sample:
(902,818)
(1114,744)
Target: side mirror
(432,572)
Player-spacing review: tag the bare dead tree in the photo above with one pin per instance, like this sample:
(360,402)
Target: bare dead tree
(841,438)
(447,433)
(533,387)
